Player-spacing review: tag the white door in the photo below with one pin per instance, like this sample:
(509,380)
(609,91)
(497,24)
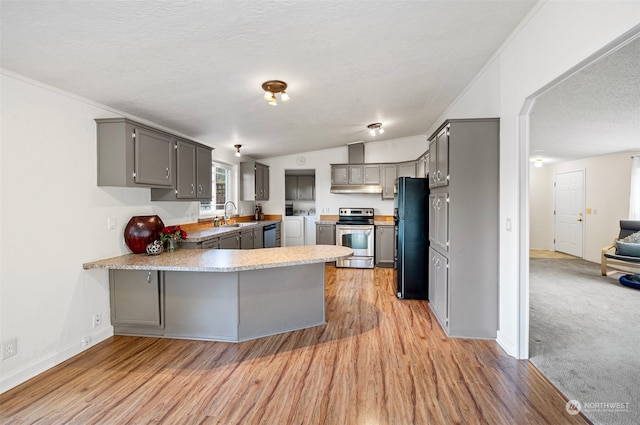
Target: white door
(569,212)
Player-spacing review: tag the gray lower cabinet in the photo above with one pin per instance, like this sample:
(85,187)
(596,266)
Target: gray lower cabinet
(385,246)
(325,234)
(136,301)
(246,239)
(131,154)
(258,238)
(231,241)
(211,244)
(439,286)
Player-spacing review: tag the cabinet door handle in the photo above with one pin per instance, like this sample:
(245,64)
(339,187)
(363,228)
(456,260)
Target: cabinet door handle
(200,188)
(167,175)
(193,188)
(149,278)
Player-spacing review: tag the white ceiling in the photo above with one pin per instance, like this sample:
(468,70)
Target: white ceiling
(197,67)
(594,112)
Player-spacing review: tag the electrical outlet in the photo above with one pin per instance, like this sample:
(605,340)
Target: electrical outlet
(97,320)
(9,348)
(86,341)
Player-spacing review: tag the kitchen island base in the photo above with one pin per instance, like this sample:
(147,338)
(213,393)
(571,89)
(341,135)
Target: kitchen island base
(229,306)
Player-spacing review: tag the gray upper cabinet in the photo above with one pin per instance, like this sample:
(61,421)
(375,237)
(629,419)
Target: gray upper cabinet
(356,174)
(204,176)
(193,174)
(389,175)
(407,169)
(371,174)
(254,181)
(439,158)
(299,188)
(262,182)
(134,155)
(422,166)
(339,174)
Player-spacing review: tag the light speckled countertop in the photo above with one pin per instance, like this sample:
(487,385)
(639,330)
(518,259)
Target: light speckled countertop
(206,232)
(224,260)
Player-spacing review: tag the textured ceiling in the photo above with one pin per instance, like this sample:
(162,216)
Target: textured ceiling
(594,112)
(197,67)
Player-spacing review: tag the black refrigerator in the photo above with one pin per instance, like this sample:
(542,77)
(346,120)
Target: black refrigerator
(411,216)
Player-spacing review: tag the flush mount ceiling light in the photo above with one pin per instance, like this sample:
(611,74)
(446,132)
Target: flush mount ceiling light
(273,87)
(538,163)
(238,149)
(375,128)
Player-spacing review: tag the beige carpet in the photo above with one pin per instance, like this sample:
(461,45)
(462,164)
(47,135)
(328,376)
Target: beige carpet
(584,337)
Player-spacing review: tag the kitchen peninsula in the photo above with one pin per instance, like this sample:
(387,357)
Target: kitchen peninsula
(219,294)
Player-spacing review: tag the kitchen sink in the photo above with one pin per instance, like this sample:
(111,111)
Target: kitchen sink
(247,223)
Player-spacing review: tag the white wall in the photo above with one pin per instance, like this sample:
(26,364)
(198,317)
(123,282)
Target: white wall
(607,189)
(53,219)
(541,205)
(553,38)
(396,150)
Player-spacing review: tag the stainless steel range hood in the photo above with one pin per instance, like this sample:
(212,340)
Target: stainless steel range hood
(356,157)
(356,188)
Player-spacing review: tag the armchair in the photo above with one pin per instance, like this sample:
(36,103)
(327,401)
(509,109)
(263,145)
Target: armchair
(611,257)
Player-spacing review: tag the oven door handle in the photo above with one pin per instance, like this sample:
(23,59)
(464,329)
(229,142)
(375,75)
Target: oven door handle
(343,227)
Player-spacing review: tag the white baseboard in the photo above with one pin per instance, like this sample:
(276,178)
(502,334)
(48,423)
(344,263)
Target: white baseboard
(507,345)
(23,375)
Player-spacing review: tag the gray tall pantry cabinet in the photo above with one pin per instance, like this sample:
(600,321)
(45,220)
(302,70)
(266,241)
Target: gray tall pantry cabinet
(463,226)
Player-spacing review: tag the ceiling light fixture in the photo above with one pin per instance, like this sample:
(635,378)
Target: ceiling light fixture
(273,87)
(375,127)
(538,163)
(238,149)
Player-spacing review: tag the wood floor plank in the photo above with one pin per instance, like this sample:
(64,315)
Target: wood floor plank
(378,360)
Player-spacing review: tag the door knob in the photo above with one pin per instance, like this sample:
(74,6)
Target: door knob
(579,219)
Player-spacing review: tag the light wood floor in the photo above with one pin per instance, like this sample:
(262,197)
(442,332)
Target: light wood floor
(379,360)
(540,253)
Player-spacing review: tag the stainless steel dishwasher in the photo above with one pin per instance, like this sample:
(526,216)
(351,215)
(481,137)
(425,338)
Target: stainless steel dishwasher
(269,236)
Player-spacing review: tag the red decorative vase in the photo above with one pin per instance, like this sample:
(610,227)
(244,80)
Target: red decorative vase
(142,230)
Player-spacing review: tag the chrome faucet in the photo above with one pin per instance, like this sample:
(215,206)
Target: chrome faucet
(225,210)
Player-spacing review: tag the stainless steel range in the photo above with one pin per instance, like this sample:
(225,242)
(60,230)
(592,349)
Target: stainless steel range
(355,230)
